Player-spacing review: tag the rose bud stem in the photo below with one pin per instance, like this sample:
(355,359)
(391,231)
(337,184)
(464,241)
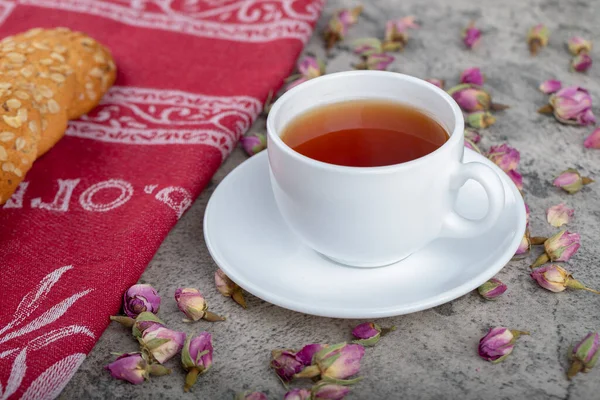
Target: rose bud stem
(547,109)
(538,240)
(190,379)
(212,317)
(123,320)
(541,260)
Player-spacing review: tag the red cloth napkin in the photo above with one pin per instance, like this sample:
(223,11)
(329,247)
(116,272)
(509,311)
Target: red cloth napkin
(91,213)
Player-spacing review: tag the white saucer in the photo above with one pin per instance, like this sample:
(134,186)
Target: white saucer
(249,240)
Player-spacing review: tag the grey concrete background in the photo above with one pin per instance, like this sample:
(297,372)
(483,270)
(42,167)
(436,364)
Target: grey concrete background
(433,354)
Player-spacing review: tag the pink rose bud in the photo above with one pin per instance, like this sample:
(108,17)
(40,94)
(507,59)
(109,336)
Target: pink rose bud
(308,68)
(584,355)
(191,302)
(472,75)
(550,86)
(505,157)
(498,344)
(480,119)
(537,38)
(140,298)
(377,61)
(306,354)
(298,394)
(329,391)
(571,181)
(578,45)
(471,36)
(285,364)
(251,396)
(254,143)
(367,46)
(554,278)
(143,321)
(396,33)
(559,215)
(559,247)
(349,16)
(162,343)
(470,97)
(339,362)
(593,141)
(338,25)
(369,333)
(196,357)
(133,368)
(581,62)
(492,289)
(571,105)
(229,288)
(437,82)
(516,177)
(524,247)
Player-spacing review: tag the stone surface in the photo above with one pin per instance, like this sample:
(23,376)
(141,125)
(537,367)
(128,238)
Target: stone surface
(433,354)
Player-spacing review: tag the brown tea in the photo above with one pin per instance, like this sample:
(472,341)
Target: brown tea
(364,133)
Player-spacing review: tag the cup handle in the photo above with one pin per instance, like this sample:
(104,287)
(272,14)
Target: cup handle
(456,225)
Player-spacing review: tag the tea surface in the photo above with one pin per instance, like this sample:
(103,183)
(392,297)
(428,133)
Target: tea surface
(364,133)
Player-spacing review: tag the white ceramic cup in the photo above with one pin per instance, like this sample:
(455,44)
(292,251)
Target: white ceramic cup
(374,216)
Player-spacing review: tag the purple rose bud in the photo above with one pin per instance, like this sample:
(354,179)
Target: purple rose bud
(516,177)
(593,141)
(329,391)
(254,143)
(472,75)
(162,343)
(498,344)
(140,298)
(377,61)
(143,321)
(286,364)
(472,135)
(584,355)
(196,357)
(492,289)
(298,394)
(191,302)
(571,181)
(581,62)
(505,157)
(308,68)
(480,119)
(537,38)
(550,86)
(578,45)
(306,354)
(471,97)
(229,288)
(571,105)
(524,247)
(562,245)
(437,82)
(349,16)
(133,368)
(251,396)
(559,215)
(339,361)
(471,36)
(369,333)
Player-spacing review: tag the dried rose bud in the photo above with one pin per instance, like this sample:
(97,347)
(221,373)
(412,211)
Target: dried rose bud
(584,355)
(471,97)
(139,324)
(550,86)
(471,36)
(492,289)
(285,364)
(308,68)
(298,394)
(537,38)
(578,45)
(571,105)
(140,298)
(571,181)
(306,354)
(593,141)
(559,247)
(527,215)
(377,61)
(472,75)
(581,62)
(516,177)
(554,278)
(437,82)
(338,25)
(524,247)
(191,302)
(559,215)
(339,362)
(329,391)
(498,344)
(161,343)
(367,46)
(196,357)
(472,135)
(229,288)
(133,368)
(254,143)
(251,396)
(504,156)
(470,145)
(396,33)
(369,333)
(480,119)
